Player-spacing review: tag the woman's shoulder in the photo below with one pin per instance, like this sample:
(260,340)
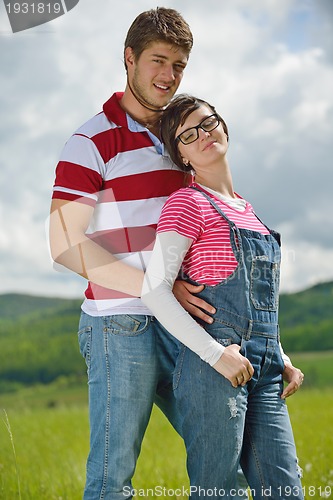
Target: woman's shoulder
(183,201)
(186,194)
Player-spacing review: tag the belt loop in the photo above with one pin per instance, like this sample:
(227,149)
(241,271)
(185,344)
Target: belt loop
(249,330)
(278,333)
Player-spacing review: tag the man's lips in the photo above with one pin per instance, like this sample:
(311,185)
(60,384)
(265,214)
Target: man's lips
(165,88)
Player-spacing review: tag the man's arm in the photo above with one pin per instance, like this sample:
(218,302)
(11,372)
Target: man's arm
(185,294)
(71,248)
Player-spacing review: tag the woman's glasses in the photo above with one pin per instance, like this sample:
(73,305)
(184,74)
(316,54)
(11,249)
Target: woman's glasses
(191,134)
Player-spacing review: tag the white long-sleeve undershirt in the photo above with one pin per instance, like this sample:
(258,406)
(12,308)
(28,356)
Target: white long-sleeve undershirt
(167,257)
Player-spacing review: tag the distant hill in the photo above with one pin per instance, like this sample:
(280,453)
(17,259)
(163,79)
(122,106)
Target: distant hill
(14,306)
(306,319)
(310,305)
(38,340)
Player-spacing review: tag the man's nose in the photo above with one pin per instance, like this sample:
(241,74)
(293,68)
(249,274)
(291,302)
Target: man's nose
(169,72)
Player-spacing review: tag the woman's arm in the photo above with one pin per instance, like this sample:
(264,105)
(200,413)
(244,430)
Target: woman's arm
(168,254)
(291,375)
(169,251)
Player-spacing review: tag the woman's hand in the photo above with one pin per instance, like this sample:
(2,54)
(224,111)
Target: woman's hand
(234,367)
(294,377)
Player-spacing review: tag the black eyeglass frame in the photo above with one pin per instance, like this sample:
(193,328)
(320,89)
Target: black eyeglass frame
(196,128)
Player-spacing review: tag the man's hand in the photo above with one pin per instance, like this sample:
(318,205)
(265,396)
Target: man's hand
(294,377)
(234,367)
(184,291)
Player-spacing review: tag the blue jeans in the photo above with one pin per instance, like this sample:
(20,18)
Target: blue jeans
(130,361)
(224,426)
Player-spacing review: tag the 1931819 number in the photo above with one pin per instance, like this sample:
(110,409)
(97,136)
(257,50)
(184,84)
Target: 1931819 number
(309,491)
(33,8)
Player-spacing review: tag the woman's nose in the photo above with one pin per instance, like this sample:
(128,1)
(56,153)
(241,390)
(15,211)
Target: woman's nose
(202,133)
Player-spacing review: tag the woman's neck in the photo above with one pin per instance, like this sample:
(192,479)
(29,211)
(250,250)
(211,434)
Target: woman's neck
(220,181)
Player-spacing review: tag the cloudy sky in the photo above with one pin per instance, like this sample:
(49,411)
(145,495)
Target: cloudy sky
(265,64)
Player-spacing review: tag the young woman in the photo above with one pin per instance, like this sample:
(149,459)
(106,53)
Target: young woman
(213,237)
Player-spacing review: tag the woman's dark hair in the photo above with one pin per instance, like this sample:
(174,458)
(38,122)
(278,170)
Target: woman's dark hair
(158,25)
(175,115)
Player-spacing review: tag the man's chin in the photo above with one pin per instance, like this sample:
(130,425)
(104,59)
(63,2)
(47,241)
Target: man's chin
(161,99)
(162,102)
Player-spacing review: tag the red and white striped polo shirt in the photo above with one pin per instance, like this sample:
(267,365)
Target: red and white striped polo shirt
(115,164)
(210,258)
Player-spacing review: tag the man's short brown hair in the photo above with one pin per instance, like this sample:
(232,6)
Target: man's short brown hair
(158,25)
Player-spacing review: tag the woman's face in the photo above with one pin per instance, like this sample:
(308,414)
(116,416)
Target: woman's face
(209,146)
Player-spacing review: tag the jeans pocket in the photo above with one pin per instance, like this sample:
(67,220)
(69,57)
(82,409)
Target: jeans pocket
(279,360)
(84,337)
(128,325)
(225,335)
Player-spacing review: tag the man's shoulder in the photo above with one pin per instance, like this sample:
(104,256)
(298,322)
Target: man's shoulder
(110,117)
(95,125)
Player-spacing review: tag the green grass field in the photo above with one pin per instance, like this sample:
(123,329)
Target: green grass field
(43,453)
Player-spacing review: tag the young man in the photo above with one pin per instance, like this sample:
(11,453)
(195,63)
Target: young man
(112,180)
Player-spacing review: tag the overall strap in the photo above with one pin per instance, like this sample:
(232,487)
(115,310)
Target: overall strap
(234,231)
(214,204)
(275,234)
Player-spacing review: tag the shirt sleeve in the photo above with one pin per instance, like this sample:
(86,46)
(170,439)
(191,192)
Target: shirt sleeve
(79,173)
(285,357)
(182,214)
(168,253)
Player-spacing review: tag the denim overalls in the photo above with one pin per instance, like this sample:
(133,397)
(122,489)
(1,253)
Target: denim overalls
(222,425)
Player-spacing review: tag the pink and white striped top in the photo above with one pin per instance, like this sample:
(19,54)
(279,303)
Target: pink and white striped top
(210,258)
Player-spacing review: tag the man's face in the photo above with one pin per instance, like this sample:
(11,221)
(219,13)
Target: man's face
(156,75)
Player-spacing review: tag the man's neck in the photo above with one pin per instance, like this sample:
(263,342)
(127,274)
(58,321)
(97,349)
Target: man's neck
(149,119)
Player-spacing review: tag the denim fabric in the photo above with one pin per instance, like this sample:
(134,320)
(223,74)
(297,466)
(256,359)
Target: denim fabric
(222,425)
(130,361)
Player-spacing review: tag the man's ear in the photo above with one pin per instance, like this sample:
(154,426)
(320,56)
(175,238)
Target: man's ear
(129,57)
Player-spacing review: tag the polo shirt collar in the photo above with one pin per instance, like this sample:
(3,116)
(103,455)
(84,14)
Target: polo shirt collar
(114,112)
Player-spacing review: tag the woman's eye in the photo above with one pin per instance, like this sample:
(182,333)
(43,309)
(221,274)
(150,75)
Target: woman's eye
(189,135)
(208,123)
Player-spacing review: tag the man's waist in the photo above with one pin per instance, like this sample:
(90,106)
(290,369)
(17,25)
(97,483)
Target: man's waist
(110,307)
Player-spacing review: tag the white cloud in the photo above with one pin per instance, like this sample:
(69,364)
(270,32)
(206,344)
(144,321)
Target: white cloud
(304,264)
(265,65)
